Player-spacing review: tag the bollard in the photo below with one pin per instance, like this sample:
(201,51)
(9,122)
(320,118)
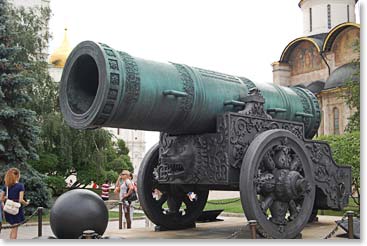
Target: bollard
(350,224)
(88,234)
(253,228)
(39,213)
(120,215)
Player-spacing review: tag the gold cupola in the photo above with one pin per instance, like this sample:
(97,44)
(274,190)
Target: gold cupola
(59,56)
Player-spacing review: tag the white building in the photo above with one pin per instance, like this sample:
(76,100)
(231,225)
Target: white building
(320,16)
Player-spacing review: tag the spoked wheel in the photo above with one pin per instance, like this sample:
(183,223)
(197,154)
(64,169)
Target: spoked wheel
(276,184)
(168,206)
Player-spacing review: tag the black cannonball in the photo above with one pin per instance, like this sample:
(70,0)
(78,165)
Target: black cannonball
(76,211)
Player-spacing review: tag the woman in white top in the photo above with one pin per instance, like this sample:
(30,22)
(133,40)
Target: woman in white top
(126,188)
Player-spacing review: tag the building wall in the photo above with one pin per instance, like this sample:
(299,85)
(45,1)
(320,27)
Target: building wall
(55,72)
(338,11)
(135,141)
(329,100)
(306,65)
(343,46)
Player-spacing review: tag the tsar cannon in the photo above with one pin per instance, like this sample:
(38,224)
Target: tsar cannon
(218,132)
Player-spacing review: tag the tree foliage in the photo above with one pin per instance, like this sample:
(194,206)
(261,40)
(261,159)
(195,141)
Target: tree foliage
(345,150)
(353,92)
(86,153)
(19,130)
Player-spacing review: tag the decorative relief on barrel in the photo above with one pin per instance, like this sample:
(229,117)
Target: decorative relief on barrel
(104,45)
(132,85)
(250,85)
(306,106)
(115,78)
(188,86)
(113,91)
(317,113)
(216,75)
(110,52)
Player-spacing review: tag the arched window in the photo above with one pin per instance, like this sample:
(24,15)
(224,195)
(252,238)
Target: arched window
(336,121)
(310,19)
(329,16)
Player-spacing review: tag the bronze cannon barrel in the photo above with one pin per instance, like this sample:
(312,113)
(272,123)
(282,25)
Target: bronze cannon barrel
(103,87)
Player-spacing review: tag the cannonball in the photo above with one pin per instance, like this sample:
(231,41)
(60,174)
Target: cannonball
(76,211)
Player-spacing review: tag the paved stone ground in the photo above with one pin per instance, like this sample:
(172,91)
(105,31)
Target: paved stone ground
(218,194)
(230,227)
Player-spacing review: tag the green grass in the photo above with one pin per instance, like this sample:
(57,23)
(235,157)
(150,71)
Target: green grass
(115,215)
(351,207)
(236,207)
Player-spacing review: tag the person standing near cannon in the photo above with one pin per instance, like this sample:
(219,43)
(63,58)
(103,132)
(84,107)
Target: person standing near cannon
(13,190)
(126,189)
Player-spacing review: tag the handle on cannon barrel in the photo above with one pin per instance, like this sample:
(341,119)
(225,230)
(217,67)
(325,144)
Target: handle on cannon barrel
(234,103)
(276,110)
(174,93)
(302,114)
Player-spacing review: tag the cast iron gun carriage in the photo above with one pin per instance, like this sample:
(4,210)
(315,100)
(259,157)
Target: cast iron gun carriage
(218,132)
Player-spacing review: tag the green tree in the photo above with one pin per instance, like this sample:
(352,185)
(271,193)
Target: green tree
(18,125)
(346,151)
(122,162)
(122,148)
(353,92)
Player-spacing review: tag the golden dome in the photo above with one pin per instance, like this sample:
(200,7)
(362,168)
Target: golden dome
(59,56)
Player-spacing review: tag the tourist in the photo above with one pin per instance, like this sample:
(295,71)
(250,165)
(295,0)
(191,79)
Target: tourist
(126,188)
(105,190)
(118,184)
(135,189)
(14,191)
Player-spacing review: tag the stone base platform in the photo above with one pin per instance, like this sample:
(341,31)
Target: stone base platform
(229,228)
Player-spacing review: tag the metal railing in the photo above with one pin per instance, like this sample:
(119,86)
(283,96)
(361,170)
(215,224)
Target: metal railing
(38,212)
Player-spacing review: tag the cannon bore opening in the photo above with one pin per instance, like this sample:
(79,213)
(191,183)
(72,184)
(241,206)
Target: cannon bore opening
(82,85)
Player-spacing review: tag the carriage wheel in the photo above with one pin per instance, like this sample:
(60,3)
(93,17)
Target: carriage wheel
(276,184)
(153,196)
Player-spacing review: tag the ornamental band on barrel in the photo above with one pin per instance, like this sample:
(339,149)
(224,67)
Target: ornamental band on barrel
(218,132)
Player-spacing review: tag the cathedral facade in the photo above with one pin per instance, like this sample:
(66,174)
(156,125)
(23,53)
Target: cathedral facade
(323,59)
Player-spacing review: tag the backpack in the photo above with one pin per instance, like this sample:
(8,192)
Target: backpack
(133,196)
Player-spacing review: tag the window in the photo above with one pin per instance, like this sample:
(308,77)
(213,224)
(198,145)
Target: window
(336,121)
(348,13)
(329,16)
(310,19)
(118,131)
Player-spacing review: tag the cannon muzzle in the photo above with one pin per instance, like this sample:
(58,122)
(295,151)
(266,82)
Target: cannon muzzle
(103,87)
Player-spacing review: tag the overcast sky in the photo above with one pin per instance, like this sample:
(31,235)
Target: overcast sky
(235,37)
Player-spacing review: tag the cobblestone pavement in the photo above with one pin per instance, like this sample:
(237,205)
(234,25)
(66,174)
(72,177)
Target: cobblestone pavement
(212,230)
(218,194)
(30,232)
